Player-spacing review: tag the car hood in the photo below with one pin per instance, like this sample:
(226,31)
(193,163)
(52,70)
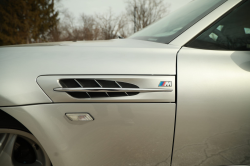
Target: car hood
(20,65)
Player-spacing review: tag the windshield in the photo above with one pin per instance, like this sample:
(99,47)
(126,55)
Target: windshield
(171,26)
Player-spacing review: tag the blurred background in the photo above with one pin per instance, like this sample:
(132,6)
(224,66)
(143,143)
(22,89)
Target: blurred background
(36,21)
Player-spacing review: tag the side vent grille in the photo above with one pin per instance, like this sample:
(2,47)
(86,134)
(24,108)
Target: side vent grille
(92,83)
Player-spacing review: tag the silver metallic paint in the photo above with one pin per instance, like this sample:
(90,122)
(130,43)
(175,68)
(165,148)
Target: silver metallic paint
(121,134)
(212,124)
(20,66)
(213,108)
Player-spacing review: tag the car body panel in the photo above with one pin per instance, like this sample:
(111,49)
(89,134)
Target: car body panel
(20,66)
(204,23)
(121,133)
(213,115)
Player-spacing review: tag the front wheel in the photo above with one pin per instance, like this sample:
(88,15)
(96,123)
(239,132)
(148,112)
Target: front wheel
(19,148)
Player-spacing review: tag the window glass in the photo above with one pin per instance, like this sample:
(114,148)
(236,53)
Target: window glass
(175,23)
(232,32)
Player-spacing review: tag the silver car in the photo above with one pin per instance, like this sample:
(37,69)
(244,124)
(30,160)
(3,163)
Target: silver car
(175,93)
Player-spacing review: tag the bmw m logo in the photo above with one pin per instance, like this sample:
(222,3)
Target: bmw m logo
(166,83)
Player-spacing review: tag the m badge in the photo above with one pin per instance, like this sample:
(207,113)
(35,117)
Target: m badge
(165,83)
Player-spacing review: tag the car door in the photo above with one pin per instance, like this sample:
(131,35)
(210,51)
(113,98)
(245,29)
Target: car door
(213,92)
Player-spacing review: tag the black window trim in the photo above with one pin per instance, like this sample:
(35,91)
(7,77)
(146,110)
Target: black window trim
(212,24)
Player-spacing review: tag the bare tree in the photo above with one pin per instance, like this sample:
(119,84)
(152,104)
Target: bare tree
(69,31)
(55,34)
(110,25)
(96,33)
(88,28)
(124,32)
(147,11)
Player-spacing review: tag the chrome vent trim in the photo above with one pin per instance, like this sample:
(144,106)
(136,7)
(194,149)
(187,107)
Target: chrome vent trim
(121,87)
(93,88)
(81,86)
(128,88)
(110,90)
(101,87)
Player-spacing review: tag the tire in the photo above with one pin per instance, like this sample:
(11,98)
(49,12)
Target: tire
(18,147)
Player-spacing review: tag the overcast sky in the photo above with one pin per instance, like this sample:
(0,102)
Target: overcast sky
(100,6)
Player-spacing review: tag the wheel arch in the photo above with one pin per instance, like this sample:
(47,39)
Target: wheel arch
(9,122)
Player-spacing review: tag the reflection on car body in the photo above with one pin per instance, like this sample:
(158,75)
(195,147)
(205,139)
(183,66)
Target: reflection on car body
(175,93)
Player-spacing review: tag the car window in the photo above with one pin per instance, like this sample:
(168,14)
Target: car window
(175,23)
(232,32)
